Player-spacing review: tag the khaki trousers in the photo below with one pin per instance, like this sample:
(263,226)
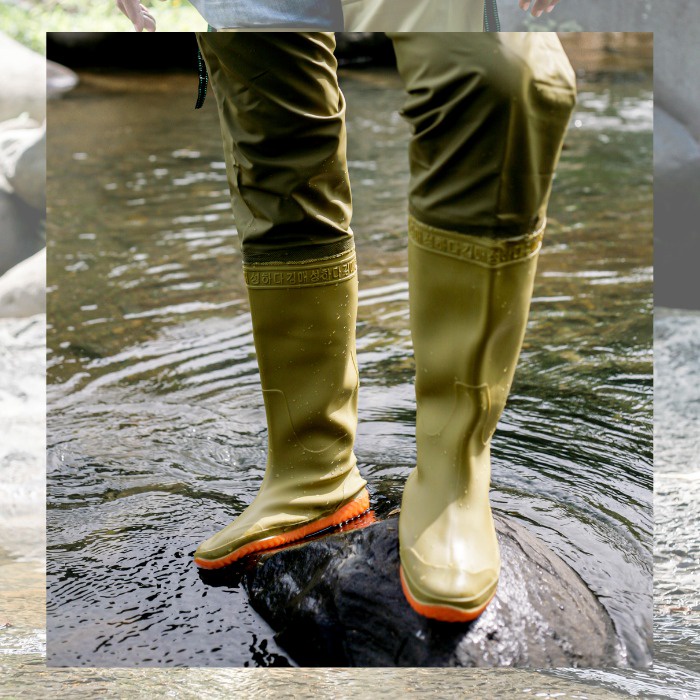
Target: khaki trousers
(488,114)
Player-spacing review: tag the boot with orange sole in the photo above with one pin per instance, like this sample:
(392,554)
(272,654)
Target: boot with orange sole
(469,304)
(304,330)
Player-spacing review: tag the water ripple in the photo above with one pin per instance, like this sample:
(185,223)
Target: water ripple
(156,424)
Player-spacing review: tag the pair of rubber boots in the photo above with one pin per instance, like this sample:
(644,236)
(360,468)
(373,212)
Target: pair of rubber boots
(469,304)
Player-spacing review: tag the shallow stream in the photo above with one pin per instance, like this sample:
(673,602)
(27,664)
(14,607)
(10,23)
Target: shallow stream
(156,426)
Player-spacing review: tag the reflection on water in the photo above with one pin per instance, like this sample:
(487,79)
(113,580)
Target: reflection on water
(156,428)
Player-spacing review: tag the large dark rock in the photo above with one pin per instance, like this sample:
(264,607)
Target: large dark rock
(337,601)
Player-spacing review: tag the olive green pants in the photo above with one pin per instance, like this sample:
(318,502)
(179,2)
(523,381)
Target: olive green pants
(488,113)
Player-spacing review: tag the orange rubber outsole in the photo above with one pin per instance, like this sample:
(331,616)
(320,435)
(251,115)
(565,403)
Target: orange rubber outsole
(441,612)
(349,511)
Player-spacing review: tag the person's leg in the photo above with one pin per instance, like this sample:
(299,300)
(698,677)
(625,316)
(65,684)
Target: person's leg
(488,113)
(413,15)
(282,119)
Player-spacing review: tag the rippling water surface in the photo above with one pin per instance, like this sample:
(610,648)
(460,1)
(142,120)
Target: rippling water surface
(156,423)
(677,489)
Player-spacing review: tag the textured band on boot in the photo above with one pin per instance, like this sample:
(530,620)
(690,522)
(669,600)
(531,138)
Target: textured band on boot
(312,273)
(303,316)
(489,252)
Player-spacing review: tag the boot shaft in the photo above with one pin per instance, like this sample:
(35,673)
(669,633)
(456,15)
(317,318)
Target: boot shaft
(469,301)
(304,316)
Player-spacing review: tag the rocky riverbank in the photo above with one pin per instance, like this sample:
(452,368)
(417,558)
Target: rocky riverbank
(27,81)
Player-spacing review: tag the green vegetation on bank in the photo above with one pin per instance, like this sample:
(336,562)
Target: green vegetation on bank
(27,21)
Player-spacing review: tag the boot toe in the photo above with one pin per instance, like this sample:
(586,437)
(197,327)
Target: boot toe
(229,539)
(215,547)
(431,584)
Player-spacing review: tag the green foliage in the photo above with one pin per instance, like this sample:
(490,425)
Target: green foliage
(18,22)
(28,20)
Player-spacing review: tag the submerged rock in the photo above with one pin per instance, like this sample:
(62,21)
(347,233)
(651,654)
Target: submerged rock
(337,601)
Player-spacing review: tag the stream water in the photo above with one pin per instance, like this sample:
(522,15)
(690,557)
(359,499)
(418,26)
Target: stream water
(156,429)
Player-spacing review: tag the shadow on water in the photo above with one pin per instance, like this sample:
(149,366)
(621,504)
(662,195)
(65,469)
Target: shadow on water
(156,424)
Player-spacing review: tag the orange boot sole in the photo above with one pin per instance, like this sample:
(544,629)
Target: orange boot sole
(349,511)
(442,613)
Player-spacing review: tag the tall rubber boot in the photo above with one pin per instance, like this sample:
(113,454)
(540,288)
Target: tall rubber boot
(469,304)
(304,331)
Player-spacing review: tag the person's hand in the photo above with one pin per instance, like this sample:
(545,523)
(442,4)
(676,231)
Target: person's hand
(139,15)
(537,7)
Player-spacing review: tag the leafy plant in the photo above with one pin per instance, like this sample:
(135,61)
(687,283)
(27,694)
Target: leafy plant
(26,20)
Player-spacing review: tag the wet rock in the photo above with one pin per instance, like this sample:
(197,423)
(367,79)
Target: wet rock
(23,80)
(677,211)
(22,189)
(23,288)
(337,601)
(23,160)
(29,179)
(59,79)
(674,145)
(14,134)
(676,84)
(20,231)
(676,155)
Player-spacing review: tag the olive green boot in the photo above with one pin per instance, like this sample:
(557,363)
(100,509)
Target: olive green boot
(304,329)
(469,302)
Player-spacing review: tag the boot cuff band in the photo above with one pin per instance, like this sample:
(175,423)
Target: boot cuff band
(488,252)
(311,273)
